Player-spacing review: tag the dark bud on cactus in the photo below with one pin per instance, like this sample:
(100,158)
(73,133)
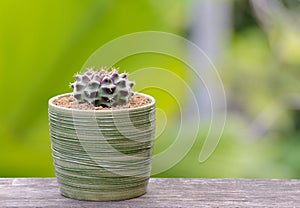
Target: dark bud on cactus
(114,76)
(94,85)
(85,79)
(123,75)
(102,88)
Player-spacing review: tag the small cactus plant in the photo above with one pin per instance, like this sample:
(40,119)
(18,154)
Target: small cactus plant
(102,88)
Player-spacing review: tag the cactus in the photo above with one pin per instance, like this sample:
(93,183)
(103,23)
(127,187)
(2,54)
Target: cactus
(102,88)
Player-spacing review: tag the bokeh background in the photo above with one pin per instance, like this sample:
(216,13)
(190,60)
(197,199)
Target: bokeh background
(254,45)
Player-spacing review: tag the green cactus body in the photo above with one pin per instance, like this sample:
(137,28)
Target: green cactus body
(102,88)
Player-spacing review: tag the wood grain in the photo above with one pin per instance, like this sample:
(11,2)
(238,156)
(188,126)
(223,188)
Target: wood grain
(162,192)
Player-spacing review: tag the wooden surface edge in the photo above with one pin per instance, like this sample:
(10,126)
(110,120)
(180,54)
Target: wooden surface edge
(162,192)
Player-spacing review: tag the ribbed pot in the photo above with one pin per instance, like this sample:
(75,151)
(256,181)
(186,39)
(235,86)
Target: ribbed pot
(102,155)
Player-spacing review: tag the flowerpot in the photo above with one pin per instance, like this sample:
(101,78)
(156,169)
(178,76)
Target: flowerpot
(102,155)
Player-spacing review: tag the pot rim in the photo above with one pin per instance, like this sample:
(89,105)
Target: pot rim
(51,105)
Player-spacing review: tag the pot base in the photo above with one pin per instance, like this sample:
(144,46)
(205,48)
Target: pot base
(114,195)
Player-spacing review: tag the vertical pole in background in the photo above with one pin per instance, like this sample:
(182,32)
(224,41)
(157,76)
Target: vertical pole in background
(211,23)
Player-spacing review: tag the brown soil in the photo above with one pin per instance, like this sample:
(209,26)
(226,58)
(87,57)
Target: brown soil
(70,102)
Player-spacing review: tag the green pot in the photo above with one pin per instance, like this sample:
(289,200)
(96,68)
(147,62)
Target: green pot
(102,155)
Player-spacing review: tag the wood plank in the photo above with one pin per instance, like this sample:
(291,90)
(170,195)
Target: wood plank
(162,192)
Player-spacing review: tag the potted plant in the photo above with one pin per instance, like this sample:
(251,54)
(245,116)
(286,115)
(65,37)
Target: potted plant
(102,137)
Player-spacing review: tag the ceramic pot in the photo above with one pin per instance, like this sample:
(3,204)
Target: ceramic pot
(102,155)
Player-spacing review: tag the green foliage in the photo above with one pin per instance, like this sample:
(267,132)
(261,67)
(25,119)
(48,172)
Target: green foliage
(42,45)
(102,88)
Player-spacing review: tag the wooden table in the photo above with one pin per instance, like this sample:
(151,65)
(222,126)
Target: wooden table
(162,192)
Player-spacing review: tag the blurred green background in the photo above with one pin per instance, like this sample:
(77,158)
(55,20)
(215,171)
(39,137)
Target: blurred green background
(44,43)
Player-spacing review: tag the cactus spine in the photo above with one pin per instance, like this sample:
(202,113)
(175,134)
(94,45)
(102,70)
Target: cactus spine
(102,88)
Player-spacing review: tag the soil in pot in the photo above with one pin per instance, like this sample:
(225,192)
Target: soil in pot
(70,102)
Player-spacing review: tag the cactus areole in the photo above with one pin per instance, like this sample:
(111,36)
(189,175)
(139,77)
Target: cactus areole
(102,88)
